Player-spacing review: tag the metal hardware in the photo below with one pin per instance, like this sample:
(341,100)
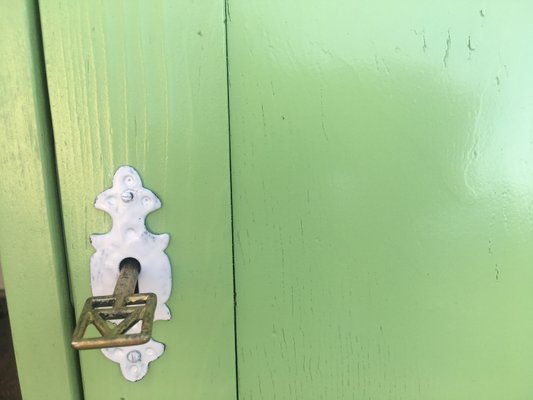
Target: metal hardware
(127,202)
(124,305)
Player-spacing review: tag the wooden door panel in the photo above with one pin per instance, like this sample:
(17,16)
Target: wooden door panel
(381,168)
(144,84)
(31,238)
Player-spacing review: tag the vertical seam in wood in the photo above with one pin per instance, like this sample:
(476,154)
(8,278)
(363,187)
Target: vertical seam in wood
(54,175)
(226,19)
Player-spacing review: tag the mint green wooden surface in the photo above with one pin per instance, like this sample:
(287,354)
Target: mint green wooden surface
(144,83)
(382,194)
(31,241)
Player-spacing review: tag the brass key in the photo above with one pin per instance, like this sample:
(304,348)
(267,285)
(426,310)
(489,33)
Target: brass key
(124,304)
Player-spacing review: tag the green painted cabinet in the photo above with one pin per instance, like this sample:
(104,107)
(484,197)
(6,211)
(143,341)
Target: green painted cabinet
(346,186)
(382,166)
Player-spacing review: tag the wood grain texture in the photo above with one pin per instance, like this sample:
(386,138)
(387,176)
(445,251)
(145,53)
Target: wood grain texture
(144,84)
(382,176)
(31,242)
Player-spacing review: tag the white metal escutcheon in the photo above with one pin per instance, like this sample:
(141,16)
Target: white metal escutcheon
(128,203)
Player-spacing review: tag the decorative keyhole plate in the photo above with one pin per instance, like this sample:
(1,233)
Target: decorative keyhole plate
(128,203)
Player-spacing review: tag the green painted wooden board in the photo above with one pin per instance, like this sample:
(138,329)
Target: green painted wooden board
(381,169)
(382,183)
(144,84)
(31,241)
